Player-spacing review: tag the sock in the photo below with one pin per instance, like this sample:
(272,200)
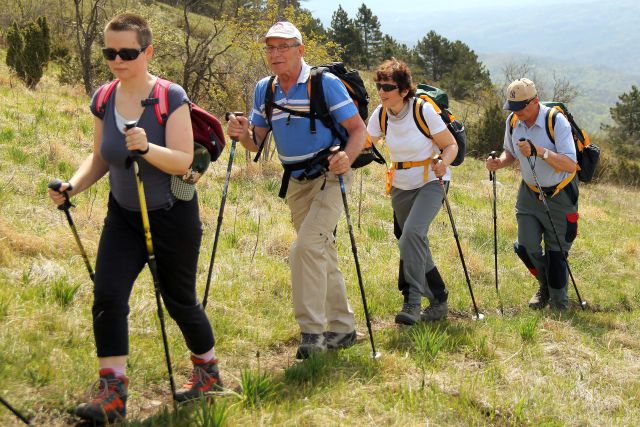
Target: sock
(209,355)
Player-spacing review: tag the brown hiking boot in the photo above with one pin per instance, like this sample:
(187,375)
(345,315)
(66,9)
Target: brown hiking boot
(205,378)
(540,299)
(110,402)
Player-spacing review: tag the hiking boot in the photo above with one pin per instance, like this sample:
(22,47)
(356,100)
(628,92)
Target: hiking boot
(435,311)
(110,403)
(205,378)
(311,344)
(540,299)
(337,340)
(409,314)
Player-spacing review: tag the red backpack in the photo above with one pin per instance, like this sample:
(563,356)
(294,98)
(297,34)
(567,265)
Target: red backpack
(207,129)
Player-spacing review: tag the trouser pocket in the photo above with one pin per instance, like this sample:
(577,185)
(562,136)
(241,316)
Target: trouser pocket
(572,226)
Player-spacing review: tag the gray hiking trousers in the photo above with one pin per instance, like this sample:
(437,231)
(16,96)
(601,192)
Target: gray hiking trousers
(547,266)
(415,210)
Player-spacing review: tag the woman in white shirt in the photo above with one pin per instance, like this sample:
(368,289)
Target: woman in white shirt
(414,182)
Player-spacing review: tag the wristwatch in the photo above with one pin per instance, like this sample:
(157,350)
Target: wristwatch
(545,155)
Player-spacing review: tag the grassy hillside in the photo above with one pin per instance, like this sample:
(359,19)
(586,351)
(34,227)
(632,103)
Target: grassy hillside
(581,368)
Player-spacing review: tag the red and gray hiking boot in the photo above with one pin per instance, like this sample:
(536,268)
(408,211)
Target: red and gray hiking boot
(205,378)
(110,403)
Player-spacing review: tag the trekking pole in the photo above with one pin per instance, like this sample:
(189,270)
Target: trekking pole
(374,354)
(232,152)
(15,411)
(151,260)
(360,199)
(492,177)
(478,316)
(55,186)
(543,197)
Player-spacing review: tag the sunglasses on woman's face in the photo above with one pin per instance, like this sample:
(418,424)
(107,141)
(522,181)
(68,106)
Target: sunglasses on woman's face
(387,87)
(126,54)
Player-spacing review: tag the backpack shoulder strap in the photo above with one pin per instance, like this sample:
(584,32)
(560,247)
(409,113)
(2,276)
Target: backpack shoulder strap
(550,122)
(418,117)
(513,119)
(383,119)
(268,99)
(161,107)
(102,96)
(317,103)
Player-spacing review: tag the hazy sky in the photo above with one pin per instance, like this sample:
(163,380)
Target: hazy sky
(392,12)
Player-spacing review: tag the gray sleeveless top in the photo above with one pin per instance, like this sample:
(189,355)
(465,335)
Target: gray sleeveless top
(114,152)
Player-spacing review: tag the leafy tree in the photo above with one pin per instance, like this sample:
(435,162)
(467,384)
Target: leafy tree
(29,49)
(466,73)
(391,48)
(370,34)
(434,56)
(343,32)
(625,132)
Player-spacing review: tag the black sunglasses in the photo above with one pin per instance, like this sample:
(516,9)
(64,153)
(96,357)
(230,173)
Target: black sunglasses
(387,87)
(126,54)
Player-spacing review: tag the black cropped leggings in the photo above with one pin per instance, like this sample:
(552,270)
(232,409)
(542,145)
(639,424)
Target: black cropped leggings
(122,254)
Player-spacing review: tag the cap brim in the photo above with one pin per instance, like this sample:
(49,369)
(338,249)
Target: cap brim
(514,105)
(280,36)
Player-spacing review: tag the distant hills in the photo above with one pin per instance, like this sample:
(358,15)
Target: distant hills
(595,44)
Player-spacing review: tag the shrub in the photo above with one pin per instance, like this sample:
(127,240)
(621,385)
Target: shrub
(28,50)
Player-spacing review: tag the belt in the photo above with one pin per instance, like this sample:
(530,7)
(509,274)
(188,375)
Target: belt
(553,190)
(409,165)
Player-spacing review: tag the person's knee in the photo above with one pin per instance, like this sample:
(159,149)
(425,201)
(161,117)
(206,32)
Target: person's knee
(523,254)
(410,239)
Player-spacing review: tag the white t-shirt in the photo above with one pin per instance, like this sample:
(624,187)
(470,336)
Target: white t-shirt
(407,143)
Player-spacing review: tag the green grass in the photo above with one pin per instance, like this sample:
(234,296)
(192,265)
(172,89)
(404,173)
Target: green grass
(523,368)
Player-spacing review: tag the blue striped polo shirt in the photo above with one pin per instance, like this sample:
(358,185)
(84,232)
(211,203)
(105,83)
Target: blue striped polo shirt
(293,138)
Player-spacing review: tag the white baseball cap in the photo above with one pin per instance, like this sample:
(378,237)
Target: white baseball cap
(284,30)
(519,93)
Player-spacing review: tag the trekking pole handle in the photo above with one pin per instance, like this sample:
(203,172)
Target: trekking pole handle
(228,114)
(493,155)
(130,124)
(534,152)
(55,186)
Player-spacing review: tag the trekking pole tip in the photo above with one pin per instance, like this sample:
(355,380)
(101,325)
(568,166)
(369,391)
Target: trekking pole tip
(478,316)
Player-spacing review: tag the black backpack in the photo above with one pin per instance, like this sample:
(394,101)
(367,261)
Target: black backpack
(587,154)
(318,111)
(318,107)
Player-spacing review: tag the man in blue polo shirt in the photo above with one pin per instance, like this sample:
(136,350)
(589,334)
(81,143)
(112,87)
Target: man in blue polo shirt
(319,294)
(555,167)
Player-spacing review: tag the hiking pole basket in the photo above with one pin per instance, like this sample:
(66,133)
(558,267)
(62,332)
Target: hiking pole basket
(374,354)
(543,197)
(478,316)
(15,412)
(221,210)
(492,177)
(151,260)
(55,186)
